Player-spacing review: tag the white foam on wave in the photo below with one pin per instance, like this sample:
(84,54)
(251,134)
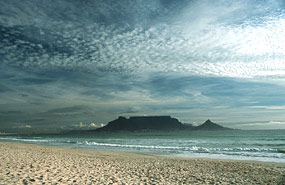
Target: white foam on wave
(192,149)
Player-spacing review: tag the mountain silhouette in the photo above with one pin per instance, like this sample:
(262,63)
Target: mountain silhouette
(143,123)
(155,123)
(209,125)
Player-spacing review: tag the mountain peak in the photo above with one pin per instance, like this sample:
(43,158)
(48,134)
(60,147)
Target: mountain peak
(209,125)
(208,121)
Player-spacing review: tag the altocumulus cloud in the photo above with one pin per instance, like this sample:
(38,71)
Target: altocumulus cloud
(223,38)
(70,61)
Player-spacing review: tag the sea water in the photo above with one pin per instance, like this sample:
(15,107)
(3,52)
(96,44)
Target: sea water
(258,145)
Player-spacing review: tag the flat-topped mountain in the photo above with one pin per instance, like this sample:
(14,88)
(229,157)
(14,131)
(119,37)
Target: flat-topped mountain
(209,125)
(152,123)
(143,123)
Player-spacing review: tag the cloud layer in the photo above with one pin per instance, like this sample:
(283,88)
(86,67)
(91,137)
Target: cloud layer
(89,61)
(222,38)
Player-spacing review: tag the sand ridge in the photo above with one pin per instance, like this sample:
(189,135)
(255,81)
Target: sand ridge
(32,164)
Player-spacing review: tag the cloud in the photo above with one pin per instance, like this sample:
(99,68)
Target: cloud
(87,126)
(65,110)
(270,124)
(205,38)
(74,61)
(77,96)
(268,107)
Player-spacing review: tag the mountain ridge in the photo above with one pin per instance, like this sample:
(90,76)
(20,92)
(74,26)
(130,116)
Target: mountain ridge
(153,123)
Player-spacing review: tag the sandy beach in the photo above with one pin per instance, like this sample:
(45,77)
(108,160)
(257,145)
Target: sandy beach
(33,164)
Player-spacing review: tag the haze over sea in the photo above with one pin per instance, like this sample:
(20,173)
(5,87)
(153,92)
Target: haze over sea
(257,145)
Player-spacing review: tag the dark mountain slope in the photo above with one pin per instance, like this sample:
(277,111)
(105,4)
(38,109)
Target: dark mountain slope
(143,123)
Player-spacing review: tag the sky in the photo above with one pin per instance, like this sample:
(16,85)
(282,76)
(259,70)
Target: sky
(70,64)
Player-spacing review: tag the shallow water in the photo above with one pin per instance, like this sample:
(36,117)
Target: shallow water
(259,145)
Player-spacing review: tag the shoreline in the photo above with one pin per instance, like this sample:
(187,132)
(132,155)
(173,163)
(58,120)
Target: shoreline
(23,163)
(282,164)
(153,154)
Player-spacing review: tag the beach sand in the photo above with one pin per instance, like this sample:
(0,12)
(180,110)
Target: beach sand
(33,164)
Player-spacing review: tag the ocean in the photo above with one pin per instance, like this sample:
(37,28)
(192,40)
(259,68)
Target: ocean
(256,145)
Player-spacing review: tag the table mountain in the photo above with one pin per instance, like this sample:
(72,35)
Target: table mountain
(143,123)
(154,123)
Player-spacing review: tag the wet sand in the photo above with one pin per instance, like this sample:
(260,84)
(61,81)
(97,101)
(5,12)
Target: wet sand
(32,164)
